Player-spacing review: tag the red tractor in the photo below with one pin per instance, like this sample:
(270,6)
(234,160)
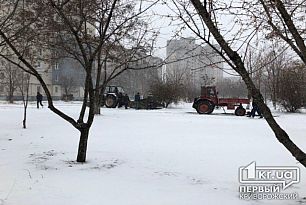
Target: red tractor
(206,103)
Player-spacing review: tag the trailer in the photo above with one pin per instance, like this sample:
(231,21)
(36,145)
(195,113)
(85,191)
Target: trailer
(206,103)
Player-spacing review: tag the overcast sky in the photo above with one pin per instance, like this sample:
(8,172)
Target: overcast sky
(169,28)
(165,26)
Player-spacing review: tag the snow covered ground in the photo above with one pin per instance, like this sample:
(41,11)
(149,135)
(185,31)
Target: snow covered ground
(138,157)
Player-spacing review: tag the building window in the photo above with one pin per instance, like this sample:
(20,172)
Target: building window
(56,89)
(1,88)
(38,88)
(56,78)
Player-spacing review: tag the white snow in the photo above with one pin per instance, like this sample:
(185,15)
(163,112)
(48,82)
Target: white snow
(138,157)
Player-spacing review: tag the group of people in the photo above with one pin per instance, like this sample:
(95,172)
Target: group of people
(123,100)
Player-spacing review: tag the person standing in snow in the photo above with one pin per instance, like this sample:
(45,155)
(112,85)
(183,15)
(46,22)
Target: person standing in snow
(39,98)
(116,91)
(255,109)
(137,100)
(126,101)
(120,99)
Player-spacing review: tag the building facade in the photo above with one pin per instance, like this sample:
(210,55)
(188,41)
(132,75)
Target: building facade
(68,79)
(196,64)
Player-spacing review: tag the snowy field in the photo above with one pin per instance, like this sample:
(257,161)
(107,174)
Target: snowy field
(161,157)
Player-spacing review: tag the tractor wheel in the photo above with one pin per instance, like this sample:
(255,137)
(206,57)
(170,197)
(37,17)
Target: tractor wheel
(240,111)
(110,101)
(205,107)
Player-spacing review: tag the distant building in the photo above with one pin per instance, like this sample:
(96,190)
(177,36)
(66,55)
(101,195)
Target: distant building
(199,65)
(138,79)
(68,78)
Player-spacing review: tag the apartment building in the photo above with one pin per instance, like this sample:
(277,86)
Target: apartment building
(196,64)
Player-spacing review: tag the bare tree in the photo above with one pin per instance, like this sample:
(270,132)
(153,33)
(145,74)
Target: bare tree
(202,17)
(274,61)
(68,84)
(24,85)
(167,92)
(285,20)
(9,80)
(279,21)
(264,66)
(292,84)
(80,29)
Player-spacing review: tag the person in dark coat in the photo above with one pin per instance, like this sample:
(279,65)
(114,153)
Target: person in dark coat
(137,100)
(126,101)
(116,91)
(120,99)
(255,109)
(150,102)
(39,99)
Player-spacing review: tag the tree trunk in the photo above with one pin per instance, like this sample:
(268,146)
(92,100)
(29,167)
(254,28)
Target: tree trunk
(83,145)
(10,97)
(97,109)
(24,118)
(98,100)
(11,100)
